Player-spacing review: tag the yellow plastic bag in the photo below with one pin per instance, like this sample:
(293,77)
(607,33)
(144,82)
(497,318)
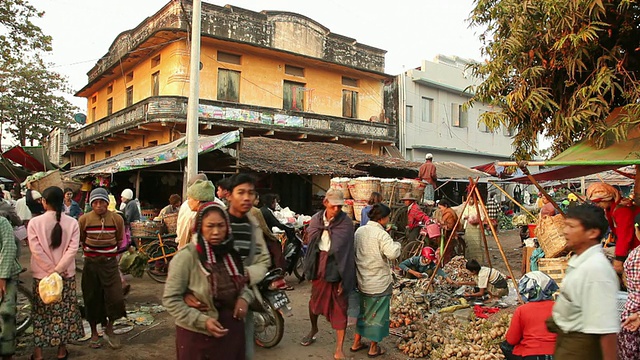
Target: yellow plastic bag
(50,288)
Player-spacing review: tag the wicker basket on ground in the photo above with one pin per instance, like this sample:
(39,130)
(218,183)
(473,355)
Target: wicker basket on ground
(348,208)
(402,187)
(361,188)
(357,209)
(341,184)
(417,188)
(554,267)
(387,187)
(145,228)
(549,231)
(171,222)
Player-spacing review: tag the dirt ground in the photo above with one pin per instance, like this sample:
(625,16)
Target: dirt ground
(157,341)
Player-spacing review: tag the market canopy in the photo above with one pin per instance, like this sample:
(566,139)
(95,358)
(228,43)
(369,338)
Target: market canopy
(10,171)
(33,158)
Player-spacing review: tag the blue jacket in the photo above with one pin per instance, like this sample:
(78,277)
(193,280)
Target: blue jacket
(74,210)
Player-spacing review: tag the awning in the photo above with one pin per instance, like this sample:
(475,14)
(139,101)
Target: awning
(10,171)
(152,156)
(564,172)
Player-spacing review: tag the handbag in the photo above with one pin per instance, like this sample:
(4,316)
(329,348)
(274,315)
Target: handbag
(50,288)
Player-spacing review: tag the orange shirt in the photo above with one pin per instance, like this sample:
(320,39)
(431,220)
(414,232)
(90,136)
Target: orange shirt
(528,332)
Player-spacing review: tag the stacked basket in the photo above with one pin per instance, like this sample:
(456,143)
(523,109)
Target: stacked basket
(387,188)
(145,228)
(341,184)
(348,207)
(361,188)
(549,231)
(403,187)
(171,222)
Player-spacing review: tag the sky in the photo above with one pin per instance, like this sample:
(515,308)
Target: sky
(409,30)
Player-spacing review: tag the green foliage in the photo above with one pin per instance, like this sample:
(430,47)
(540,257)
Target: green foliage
(558,68)
(31,101)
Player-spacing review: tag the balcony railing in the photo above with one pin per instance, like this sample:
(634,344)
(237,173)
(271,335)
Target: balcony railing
(172,109)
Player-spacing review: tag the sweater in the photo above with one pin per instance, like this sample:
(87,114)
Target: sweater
(186,274)
(373,248)
(101,235)
(46,260)
(528,332)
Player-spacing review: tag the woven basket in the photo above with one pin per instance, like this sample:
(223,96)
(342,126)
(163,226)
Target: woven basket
(357,209)
(150,214)
(417,188)
(554,267)
(549,231)
(171,222)
(51,179)
(341,184)
(387,187)
(361,188)
(402,187)
(73,185)
(145,228)
(348,208)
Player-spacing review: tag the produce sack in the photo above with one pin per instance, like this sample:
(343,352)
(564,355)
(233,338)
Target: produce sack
(50,288)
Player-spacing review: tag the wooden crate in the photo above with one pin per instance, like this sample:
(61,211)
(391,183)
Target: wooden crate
(554,267)
(526,259)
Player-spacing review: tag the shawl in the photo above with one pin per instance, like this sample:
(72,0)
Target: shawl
(536,286)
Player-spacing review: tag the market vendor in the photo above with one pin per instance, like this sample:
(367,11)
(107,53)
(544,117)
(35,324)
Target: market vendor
(417,267)
(488,280)
(415,216)
(174,206)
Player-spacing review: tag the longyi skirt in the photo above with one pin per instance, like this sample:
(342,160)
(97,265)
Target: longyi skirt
(58,323)
(373,321)
(196,346)
(325,299)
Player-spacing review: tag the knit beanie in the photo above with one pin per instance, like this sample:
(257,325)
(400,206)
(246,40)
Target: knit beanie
(99,194)
(201,190)
(127,194)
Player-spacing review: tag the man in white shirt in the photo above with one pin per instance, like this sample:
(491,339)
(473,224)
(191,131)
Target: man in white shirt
(585,315)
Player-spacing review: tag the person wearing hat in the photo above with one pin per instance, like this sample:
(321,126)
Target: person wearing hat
(198,193)
(418,266)
(330,266)
(427,173)
(22,209)
(129,206)
(415,216)
(101,234)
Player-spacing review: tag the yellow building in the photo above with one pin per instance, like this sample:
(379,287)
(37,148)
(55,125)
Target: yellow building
(273,74)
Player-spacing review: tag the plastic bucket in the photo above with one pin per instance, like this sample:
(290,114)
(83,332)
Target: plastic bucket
(532,230)
(433,230)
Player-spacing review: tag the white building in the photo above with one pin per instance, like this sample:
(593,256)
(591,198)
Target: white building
(432,118)
(57,145)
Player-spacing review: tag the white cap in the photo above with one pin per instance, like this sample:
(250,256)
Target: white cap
(127,194)
(428,156)
(36,195)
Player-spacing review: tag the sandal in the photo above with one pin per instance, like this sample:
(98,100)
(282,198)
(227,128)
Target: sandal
(361,347)
(95,344)
(65,357)
(113,340)
(380,351)
(308,340)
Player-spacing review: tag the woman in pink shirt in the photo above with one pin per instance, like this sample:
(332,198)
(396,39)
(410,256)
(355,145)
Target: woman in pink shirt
(53,240)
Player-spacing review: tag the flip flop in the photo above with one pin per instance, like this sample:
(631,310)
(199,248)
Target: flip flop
(308,340)
(113,340)
(95,344)
(361,347)
(381,351)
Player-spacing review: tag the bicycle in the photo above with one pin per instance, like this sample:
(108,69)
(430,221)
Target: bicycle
(158,254)
(24,305)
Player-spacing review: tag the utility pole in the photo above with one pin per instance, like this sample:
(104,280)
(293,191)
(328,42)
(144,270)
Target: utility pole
(194,92)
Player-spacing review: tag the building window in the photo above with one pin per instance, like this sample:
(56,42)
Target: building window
(92,157)
(459,116)
(482,126)
(107,153)
(427,110)
(349,81)
(228,58)
(155,61)
(294,70)
(109,106)
(153,143)
(293,96)
(109,89)
(129,77)
(126,148)
(155,83)
(129,96)
(94,98)
(409,114)
(228,85)
(349,104)
(93,113)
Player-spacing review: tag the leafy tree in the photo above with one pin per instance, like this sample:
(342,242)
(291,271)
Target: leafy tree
(559,68)
(18,34)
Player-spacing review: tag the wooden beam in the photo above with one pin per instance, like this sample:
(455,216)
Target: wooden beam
(301,136)
(137,132)
(269,133)
(112,139)
(148,128)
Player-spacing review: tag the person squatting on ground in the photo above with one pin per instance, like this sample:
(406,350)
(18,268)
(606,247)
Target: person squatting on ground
(585,315)
(54,238)
(211,270)
(419,266)
(101,234)
(373,248)
(488,280)
(528,337)
(330,266)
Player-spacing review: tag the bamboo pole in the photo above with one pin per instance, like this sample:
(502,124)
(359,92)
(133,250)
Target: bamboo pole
(511,198)
(495,236)
(524,168)
(446,246)
(482,234)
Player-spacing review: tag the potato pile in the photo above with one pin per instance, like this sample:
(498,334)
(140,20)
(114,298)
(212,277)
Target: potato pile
(443,336)
(407,307)
(456,269)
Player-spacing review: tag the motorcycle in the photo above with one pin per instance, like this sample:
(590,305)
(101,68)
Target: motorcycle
(269,319)
(294,253)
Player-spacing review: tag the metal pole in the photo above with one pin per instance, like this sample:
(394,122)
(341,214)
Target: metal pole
(194,92)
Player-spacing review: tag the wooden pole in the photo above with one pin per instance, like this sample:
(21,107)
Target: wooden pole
(495,236)
(453,233)
(482,234)
(533,180)
(511,198)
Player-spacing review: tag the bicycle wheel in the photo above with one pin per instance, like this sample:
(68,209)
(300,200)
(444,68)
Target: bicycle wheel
(412,248)
(24,304)
(162,254)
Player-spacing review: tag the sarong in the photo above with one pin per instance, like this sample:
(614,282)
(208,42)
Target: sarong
(102,290)
(473,239)
(8,318)
(325,299)
(197,346)
(373,321)
(429,194)
(574,345)
(58,323)
(628,345)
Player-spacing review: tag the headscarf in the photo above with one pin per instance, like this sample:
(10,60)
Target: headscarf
(536,286)
(210,254)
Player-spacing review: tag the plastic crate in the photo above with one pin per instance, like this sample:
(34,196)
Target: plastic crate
(622,300)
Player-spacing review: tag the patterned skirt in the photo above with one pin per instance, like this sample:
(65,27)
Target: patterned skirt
(58,323)
(628,345)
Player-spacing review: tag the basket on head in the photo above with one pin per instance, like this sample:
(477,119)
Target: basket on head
(341,184)
(387,187)
(171,222)
(357,209)
(348,208)
(361,188)
(549,231)
(554,267)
